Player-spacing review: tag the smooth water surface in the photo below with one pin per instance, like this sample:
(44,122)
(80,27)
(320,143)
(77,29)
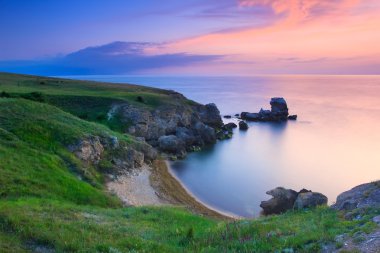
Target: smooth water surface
(334,145)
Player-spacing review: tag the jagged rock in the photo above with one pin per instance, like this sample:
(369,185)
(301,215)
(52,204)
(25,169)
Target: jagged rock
(279,112)
(207,134)
(185,135)
(229,126)
(89,150)
(210,115)
(243,125)
(309,200)
(362,196)
(172,144)
(283,200)
(250,116)
(193,125)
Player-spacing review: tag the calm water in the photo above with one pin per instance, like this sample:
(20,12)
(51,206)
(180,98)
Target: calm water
(334,145)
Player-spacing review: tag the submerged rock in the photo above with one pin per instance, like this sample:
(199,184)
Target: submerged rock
(309,200)
(243,125)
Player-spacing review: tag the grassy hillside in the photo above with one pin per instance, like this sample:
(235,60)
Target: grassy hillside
(51,202)
(87,100)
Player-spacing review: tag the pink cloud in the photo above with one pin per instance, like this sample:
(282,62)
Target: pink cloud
(299,10)
(335,30)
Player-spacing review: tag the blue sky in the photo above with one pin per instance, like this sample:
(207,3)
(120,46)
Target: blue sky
(190,37)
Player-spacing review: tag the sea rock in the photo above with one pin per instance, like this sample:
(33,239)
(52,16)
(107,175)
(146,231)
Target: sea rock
(292,117)
(362,196)
(279,112)
(250,116)
(210,115)
(309,200)
(278,105)
(243,125)
(227,116)
(206,133)
(229,126)
(283,200)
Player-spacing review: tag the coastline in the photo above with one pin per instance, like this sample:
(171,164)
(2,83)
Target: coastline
(172,191)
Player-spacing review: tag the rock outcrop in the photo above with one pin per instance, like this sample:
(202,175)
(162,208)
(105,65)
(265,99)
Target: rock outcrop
(287,199)
(279,112)
(174,128)
(362,196)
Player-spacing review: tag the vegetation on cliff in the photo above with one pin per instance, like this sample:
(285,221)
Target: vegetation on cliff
(51,200)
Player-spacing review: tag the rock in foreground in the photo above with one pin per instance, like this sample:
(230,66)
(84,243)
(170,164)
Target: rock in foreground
(283,200)
(362,196)
(309,199)
(287,199)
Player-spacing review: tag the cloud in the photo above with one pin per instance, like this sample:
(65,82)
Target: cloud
(300,10)
(114,58)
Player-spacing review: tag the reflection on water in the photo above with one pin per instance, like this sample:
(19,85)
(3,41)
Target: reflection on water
(333,146)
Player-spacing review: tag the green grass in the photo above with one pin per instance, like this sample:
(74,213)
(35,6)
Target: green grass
(66,227)
(50,200)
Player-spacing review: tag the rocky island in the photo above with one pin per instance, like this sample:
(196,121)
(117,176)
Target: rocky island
(279,112)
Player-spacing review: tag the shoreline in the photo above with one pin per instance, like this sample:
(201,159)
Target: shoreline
(172,191)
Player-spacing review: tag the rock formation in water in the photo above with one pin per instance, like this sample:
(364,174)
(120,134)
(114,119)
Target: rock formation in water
(286,199)
(175,128)
(279,112)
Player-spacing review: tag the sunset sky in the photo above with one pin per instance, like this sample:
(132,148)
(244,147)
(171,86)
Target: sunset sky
(198,37)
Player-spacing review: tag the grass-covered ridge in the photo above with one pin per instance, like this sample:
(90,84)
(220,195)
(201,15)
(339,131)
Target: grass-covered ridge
(86,99)
(51,202)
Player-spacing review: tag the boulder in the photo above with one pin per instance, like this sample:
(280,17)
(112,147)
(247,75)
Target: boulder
(278,105)
(362,196)
(309,200)
(283,200)
(210,115)
(243,125)
(171,144)
(206,133)
(185,135)
(292,117)
(229,126)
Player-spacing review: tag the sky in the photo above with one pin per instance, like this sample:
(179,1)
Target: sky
(195,37)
